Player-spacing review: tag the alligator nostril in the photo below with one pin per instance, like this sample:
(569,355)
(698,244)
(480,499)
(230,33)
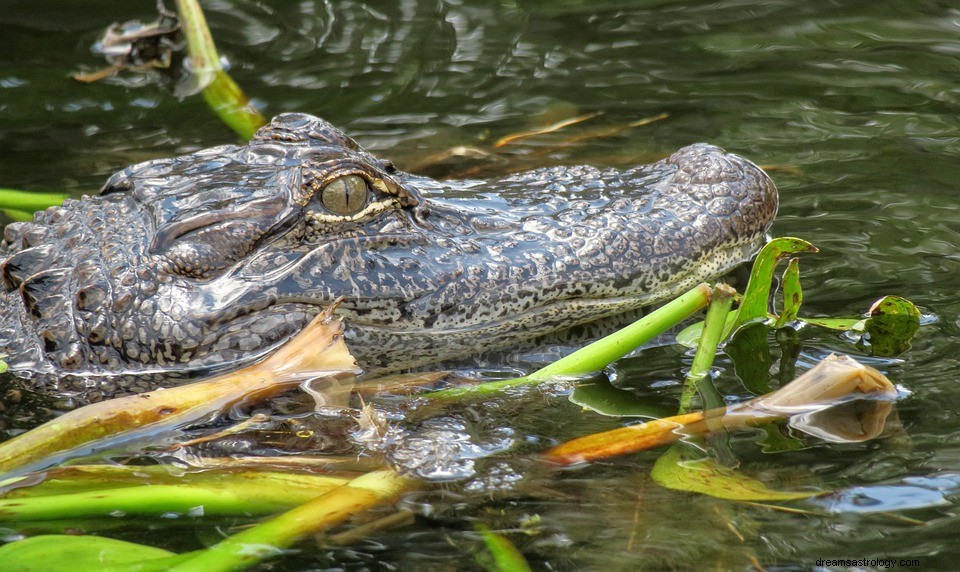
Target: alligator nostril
(117,184)
(421,213)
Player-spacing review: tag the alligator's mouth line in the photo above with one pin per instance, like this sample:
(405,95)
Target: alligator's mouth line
(567,309)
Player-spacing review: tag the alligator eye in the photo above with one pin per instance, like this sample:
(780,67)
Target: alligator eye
(345,196)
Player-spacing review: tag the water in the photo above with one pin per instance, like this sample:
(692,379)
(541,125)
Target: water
(854,105)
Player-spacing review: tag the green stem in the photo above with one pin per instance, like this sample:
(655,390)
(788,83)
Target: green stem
(28,201)
(204,58)
(710,338)
(221,93)
(599,354)
(271,537)
(231,498)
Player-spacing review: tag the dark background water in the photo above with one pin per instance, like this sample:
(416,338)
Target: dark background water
(854,104)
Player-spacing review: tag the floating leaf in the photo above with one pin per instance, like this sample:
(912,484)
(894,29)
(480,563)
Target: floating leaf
(707,477)
(892,324)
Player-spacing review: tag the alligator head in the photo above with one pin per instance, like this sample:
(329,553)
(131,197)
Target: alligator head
(211,259)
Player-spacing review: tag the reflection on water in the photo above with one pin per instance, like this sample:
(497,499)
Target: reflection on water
(859,100)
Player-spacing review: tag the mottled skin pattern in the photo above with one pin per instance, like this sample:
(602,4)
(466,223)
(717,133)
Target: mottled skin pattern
(209,260)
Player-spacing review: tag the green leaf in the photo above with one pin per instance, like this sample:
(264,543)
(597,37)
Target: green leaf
(56,552)
(792,293)
(892,324)
(705,476)
(600,396)
(754,304)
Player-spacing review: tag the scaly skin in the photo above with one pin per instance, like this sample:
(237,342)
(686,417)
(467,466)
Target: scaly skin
(207,261)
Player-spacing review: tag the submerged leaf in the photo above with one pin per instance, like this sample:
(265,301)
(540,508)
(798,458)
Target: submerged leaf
(543,130)
(56,552)
(502,555)
(599,396)
(750,351)
(706,476)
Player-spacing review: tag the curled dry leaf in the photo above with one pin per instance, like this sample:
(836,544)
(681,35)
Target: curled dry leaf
(835,380)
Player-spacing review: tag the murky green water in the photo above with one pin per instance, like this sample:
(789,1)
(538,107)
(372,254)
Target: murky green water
(855,103)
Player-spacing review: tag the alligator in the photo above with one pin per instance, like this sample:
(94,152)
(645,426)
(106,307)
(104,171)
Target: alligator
(204,262)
